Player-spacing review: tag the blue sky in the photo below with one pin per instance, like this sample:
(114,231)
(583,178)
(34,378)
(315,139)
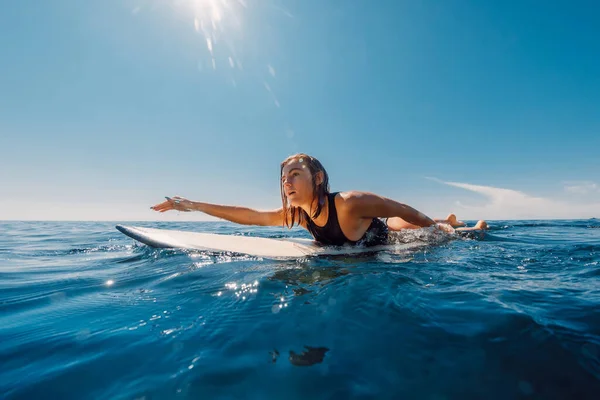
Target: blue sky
(486,109)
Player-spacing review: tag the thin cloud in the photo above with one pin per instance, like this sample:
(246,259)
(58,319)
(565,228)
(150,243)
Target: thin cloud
(505,203)
(582,187)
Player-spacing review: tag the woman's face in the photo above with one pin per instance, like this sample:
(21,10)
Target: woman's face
(297,183)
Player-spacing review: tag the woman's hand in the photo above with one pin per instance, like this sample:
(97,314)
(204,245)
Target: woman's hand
(174,203)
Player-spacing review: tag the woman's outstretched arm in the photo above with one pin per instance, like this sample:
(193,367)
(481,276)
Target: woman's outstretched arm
(237,214)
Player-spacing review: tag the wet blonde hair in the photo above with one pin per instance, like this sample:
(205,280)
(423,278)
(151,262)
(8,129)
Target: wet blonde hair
(296,215)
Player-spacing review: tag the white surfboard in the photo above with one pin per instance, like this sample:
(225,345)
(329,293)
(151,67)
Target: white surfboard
(249,245)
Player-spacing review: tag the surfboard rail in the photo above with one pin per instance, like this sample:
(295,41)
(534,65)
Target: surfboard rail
(250,245)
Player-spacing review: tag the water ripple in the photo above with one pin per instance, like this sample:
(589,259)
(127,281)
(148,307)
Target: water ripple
(514,315)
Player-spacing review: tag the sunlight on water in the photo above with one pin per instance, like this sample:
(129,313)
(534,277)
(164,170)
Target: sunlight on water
(242,290)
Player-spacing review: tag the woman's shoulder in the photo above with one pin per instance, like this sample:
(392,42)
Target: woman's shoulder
(355,200)
(351,198)
(353,195)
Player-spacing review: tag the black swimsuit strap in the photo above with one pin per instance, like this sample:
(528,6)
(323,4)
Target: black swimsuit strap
(331,233)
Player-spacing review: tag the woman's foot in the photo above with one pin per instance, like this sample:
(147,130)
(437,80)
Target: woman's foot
(481,224)
(451,220)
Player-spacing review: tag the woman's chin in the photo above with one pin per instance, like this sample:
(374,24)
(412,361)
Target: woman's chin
(293,202)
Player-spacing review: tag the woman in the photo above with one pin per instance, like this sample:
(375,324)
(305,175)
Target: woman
(340,218)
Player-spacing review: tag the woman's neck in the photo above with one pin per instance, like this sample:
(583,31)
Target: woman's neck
(310,209)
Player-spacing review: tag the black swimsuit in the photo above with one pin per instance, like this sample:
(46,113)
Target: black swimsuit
(331,234)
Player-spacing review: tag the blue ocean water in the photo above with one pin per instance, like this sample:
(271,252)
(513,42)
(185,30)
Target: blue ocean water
(86,313)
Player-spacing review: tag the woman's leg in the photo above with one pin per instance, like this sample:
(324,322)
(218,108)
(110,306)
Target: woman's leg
(397,224)
(480,225)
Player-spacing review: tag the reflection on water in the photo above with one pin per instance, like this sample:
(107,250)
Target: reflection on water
(310,356)
(307,275)
(301,291)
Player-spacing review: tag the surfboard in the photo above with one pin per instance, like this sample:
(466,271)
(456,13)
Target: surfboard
(248,245)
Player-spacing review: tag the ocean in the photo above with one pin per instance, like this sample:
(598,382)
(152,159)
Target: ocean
(86,313)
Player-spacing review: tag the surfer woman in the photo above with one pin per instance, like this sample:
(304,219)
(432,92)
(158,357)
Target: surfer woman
(339,218)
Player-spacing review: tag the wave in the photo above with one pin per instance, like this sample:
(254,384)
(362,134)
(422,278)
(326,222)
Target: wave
(503,225)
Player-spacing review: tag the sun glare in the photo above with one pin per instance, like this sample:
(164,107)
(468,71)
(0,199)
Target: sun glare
(226,36)
(214,20)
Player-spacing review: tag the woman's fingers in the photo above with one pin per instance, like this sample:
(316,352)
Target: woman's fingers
(172,203)
(164,206)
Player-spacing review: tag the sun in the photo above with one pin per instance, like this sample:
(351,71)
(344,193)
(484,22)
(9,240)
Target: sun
(211,16)
(212,9)
(214,20)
